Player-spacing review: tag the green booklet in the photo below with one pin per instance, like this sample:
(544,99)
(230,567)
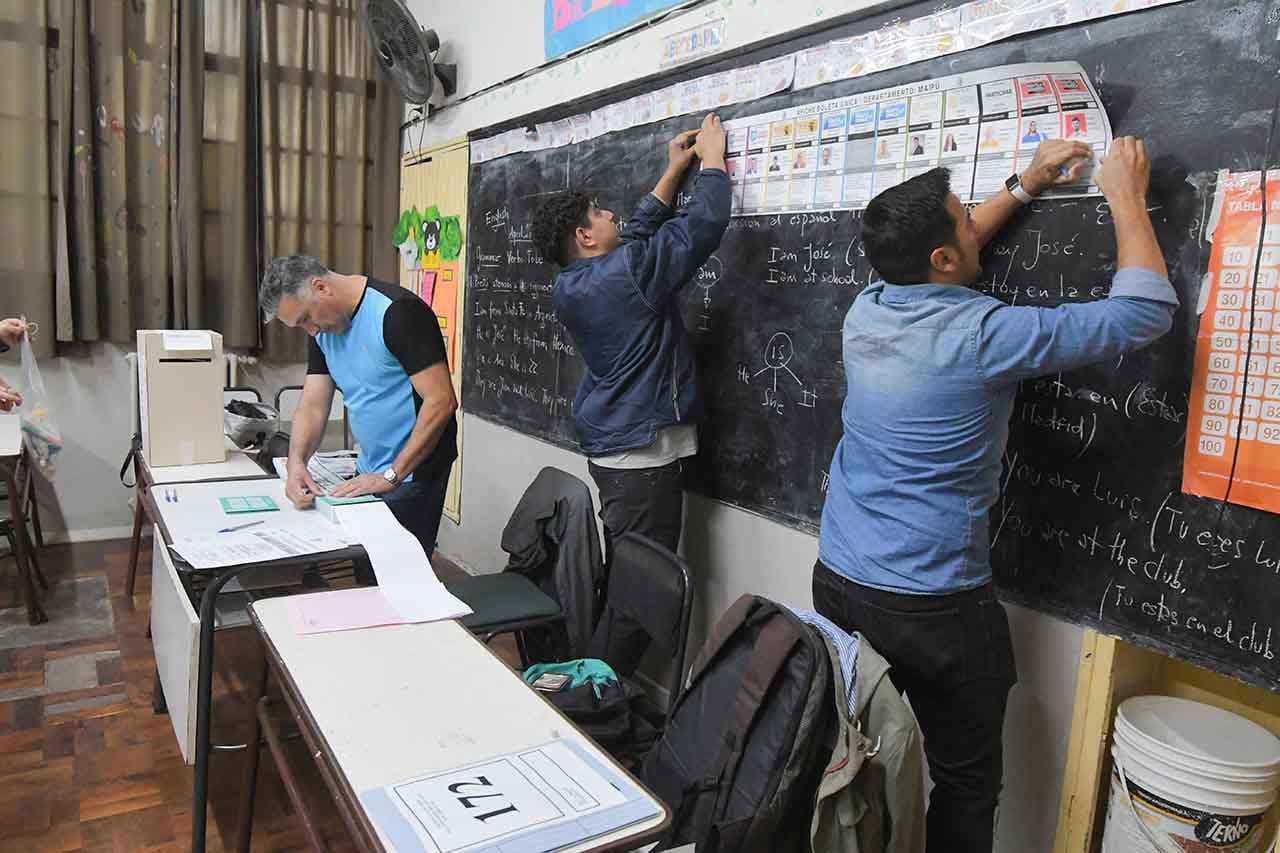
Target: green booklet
(247,503)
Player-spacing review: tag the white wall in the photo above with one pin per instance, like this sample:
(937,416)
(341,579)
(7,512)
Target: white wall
(89,396)
(494,40)
(731,551)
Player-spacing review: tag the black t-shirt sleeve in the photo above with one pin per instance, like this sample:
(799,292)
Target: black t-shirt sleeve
(315,359)
(412,334)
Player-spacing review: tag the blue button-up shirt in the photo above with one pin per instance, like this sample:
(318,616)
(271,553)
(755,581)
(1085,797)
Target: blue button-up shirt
(932,370)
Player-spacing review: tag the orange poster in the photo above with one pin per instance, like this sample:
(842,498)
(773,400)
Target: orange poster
(1233,427)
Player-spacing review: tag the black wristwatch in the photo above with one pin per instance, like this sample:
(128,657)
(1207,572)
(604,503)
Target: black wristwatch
(1014,186)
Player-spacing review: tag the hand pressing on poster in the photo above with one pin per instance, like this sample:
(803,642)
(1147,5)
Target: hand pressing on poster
(711,142)
(1124,172)
(1123,178)
(680,151)
(1046,169)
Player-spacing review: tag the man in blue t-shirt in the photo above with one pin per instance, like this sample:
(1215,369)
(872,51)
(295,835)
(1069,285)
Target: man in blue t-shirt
(932,368)
(381,345)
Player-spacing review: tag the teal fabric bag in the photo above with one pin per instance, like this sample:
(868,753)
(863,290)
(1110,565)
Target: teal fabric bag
(591,671)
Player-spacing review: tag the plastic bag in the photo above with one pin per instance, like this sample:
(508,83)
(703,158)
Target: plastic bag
(39,430)
(248,424)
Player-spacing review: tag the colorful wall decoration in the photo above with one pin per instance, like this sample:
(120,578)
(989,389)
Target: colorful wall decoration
(429,246)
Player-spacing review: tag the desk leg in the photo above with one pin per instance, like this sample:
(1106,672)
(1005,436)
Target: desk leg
(18,518)
(249,784)
(159,705)
(204,708)
(137,537)
(34,502)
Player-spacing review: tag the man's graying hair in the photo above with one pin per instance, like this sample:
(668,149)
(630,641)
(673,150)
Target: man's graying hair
(287,275)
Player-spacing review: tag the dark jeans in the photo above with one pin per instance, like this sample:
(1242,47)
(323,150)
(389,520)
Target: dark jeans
(649,501)
(953,658)
(417,505)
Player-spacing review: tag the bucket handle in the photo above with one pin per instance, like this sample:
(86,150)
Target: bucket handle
(1128,798)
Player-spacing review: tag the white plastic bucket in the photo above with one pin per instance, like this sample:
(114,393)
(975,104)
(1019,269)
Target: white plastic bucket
(1188,776)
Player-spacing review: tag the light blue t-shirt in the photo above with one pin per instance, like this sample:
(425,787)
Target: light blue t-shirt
(393,335)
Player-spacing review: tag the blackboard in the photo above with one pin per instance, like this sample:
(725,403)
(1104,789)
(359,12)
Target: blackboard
(1091,524)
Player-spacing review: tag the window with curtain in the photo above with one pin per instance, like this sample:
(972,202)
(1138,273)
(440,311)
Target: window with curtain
(166,148)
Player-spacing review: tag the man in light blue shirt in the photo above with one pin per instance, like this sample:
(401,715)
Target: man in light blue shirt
(932,368)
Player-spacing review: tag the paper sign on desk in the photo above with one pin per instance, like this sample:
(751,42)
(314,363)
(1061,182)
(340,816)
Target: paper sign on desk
(257,546)
(547,797)
(404,573)
(342,610)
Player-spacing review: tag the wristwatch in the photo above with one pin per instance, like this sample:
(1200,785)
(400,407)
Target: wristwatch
(390,476)
(1014,186)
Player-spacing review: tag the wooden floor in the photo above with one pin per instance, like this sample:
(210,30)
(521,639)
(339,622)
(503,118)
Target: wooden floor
(84,775)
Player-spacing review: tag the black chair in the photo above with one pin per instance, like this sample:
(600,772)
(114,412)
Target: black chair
(286,403)
(650,587)
(506,603)
(241,392)
(512,601)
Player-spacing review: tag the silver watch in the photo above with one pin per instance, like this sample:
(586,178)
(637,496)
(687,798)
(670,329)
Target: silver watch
(390,475)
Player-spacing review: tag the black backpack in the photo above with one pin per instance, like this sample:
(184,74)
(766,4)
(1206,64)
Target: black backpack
(606,713)
(740,762)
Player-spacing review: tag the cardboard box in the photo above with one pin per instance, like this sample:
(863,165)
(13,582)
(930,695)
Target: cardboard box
(181,375)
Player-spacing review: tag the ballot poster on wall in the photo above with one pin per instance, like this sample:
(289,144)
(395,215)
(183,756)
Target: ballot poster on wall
(547,797)
(984,126)
(1233,433)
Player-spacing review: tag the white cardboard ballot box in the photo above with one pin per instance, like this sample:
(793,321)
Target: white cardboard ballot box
(180,379)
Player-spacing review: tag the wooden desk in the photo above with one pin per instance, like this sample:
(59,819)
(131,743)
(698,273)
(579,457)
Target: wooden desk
(15,469)
(238,466)
(381,705)
(163,514)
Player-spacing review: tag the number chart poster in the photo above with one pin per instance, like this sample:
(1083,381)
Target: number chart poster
(1233,437)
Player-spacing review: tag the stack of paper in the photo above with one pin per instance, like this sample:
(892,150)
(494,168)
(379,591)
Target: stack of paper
(259,545)
(404,573)
(342,610)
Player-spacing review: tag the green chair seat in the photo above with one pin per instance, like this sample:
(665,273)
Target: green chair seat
(505,598)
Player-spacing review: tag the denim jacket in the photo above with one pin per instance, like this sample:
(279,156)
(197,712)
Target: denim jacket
(620,310)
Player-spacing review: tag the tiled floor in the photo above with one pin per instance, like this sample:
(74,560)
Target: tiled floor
(86,765)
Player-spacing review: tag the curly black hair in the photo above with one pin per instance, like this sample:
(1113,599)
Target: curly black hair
(557,219)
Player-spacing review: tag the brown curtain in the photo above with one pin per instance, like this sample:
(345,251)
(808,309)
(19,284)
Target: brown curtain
(326,116)
(26,201)
(112,168)
(159,151)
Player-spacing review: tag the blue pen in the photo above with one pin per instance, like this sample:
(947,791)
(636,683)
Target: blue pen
(240,527)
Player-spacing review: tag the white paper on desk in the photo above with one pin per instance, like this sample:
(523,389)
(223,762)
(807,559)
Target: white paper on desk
(187,341)
(404,573)
(522,795)
(257,545)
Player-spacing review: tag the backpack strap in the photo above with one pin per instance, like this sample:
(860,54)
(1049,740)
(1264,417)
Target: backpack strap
(738,614)
(135,447)
(777,638)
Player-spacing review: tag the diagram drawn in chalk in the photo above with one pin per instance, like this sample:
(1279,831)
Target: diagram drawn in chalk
(778,353)
(707,277)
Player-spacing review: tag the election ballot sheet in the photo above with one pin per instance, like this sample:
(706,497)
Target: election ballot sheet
(546,798)
(983,126)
